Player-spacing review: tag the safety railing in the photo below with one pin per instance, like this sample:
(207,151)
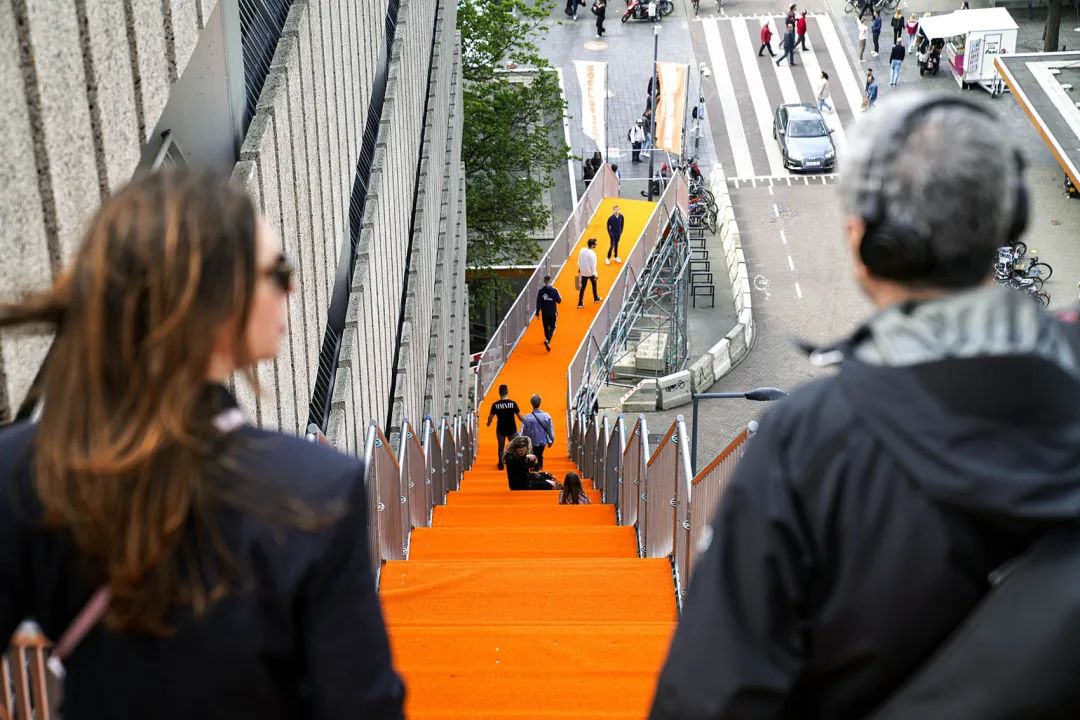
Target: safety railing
(388,527)
(415,477)
(521,313)
(704,495)
(404,488)
(654,490)
(25,685)
(635,463)
(668,467)
(676,197)
(614,446)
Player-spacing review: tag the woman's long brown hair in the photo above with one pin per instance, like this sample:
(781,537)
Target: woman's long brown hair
(125,440)
(571,489)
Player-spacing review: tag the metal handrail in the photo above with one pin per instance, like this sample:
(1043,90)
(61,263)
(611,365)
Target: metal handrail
(415,479)
(682,547)
(517,319)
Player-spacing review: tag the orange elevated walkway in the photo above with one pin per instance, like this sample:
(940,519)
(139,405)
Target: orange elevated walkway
(513,606)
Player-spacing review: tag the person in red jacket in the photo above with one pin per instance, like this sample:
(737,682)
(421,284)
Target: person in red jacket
(800,30)
(766,40)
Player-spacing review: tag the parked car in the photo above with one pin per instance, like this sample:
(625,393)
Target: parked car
(805,139)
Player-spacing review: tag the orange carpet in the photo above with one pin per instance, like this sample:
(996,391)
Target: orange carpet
(513,606)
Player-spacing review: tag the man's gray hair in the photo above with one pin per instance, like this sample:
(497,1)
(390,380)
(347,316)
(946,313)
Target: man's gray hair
(535,401)
(952,178)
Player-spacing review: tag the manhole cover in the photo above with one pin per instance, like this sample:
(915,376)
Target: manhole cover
(596,45)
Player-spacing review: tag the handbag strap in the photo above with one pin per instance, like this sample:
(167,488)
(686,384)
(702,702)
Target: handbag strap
(88,617)
(547,430)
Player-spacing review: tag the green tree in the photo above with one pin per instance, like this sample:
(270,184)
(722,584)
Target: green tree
(512,101)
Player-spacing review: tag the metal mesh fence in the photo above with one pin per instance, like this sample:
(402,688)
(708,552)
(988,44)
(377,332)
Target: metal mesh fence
(261,22)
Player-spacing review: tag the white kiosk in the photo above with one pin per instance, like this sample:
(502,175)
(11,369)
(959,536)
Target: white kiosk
(973,38)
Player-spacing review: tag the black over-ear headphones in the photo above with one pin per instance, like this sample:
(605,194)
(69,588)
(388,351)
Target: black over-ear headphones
(900,252)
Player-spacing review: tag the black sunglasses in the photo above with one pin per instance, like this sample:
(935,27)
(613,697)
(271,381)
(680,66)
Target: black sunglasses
(281,273)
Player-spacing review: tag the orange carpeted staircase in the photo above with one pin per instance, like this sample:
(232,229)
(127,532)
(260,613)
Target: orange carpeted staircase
(512,606)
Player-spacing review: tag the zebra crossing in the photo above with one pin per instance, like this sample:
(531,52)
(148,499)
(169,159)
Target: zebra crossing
(749,88)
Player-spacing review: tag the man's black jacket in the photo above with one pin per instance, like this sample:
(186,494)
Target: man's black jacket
(860,528)
(615,225)
(305,639)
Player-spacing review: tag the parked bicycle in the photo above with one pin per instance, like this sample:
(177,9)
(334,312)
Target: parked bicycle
(1028,275)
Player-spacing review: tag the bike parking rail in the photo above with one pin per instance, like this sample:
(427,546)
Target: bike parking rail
(521,313)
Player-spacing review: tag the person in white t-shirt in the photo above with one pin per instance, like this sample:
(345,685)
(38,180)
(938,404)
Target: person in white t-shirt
(586,267)
(823,95)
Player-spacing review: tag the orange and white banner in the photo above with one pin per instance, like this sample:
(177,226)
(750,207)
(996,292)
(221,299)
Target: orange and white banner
(671,106)
(593,79)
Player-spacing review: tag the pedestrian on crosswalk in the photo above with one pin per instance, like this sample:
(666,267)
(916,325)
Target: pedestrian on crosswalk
(788,45)
(823,95)
(614,230)
(863,31)
(790,15)
(586,267)
(766,39)
(800,30)
(896,59)
(897,25)
(636,136)
(875,32)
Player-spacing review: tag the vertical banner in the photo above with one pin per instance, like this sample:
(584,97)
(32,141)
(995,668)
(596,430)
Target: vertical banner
(671,106)
(592,76)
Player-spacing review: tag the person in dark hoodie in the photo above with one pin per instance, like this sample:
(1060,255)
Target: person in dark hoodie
(873,507)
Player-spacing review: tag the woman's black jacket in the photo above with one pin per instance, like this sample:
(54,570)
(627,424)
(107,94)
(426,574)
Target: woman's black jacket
(303,637)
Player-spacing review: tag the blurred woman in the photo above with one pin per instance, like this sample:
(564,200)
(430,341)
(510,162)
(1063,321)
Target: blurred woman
(223,571)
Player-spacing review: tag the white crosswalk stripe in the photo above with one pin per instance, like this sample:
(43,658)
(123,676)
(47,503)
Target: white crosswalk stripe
(732,44)
(758,96)
(729,104)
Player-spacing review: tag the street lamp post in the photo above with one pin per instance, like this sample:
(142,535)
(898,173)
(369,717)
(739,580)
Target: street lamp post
(652,101)
(762,394)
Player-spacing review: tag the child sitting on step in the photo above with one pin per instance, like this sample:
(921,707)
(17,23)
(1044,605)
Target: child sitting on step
(572,493)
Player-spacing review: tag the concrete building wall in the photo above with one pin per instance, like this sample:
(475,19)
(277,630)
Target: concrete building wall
(83,83)
(298,161)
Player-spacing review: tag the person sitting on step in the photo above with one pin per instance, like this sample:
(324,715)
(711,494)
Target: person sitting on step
(521,473)
(572,492)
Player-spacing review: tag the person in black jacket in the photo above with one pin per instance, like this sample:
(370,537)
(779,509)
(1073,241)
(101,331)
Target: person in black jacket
(225,569)
(788,45)
(547,309)
(522,465)
(865,519)
(615,224)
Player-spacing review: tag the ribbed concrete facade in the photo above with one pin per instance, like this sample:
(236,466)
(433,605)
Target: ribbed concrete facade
(85,82)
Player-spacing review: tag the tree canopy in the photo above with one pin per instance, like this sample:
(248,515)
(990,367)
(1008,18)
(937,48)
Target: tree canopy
(511,100)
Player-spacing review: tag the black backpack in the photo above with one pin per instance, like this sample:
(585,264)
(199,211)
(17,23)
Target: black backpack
(1016,655)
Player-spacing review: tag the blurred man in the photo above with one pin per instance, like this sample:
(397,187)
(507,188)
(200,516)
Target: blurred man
(876,508)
